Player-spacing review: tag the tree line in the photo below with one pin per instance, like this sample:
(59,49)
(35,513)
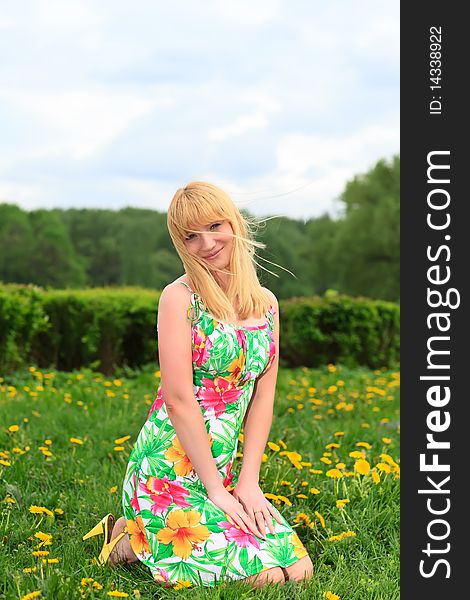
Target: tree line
(357,253)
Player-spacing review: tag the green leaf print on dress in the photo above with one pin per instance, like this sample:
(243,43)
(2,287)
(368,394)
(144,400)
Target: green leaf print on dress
(174,528)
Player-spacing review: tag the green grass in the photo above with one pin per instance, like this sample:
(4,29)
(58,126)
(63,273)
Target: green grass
(79,479)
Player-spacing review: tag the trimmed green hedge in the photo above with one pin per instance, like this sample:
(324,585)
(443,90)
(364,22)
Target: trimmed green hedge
(102,328)
(339,329)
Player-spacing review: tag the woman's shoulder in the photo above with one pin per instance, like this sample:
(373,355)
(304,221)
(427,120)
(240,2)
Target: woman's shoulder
(272,297)
(176,292)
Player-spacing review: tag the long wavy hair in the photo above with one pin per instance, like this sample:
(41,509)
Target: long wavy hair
(200,203)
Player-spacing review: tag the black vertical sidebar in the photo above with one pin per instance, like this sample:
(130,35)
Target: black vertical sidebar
(435,251)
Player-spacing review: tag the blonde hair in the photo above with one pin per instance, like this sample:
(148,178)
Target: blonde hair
(200,203)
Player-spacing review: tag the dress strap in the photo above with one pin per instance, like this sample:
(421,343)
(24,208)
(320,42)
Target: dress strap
(196,306)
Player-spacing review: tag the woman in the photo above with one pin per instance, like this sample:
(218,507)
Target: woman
(188,517)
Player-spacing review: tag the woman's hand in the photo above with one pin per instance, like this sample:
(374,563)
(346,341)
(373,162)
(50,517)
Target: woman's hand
(232,507)
(256,505)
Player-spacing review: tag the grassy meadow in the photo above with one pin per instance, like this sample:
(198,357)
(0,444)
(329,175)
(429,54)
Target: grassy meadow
(331,467)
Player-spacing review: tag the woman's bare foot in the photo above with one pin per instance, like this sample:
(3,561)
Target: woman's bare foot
(122,551)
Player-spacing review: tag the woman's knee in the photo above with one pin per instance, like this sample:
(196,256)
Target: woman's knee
(301,569)
(273,575)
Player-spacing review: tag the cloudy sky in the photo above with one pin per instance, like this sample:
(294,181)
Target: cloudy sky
(116,103)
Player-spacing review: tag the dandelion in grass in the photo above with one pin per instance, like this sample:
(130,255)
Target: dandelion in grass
(31,595)
(40,553)
(388,459)
(274,447)
(330,596)
(29,570)
(320,518)
(44,537)
(334,473)
(121,440)
(117,594)
(182,584)
(387,440)
(113,489)
(342,536)
(364,445)
(384,467)
(375,476)
(357,454)
(362,467)
(342,503)
(37,510)
(338,433)
(13,428)
(76,441)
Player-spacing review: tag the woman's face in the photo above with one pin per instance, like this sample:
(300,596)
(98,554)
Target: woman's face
(213,244)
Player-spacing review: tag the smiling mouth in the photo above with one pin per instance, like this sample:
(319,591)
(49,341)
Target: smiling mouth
(213,255)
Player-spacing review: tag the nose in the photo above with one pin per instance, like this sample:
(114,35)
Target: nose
(208,241)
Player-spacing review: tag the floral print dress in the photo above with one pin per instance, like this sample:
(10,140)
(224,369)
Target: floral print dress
(174,528)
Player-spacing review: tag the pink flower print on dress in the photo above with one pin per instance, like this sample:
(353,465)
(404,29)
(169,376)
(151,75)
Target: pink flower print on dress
(217,394)
(228,475)
(164,492)
(134,501)
(202,344)
(241,338)
(233,532)
(157,404)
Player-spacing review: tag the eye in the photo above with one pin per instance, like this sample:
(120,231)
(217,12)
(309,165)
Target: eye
(190,237)
(216,225)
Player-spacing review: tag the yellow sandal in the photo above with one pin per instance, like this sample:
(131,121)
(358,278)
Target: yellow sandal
(105,526)
(108,548)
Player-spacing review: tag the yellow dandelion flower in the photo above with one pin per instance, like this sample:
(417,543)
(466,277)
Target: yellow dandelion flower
(52,561)
(362,466)
(364,445)
(29,569)
(357,454)
(388,459)
(48,442)
(274,446)
(40,553)
(332,445)
(302,518)
(44,537)
(121,440)
(383,467)
(375,476)
(59,511)
(182,584)
(9,500)
(315,471)
(330,596)
(304,483)
(31,595)
(5,463)
(113,490)
(285,500)
(338,433)
(97,585)
(302,496)
(271,496)
(76,441)
(264,458)
(84,581)
(314,490)
(281,443)
(340,465)
(342,503)
(335,473)
(118,448)
(326,460)
(36,510)
(331,368)
(13,428)
(320,518)
(387,440)
(117,594)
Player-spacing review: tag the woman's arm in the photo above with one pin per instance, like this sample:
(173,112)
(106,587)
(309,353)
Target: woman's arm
(174,350)
(258,418)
